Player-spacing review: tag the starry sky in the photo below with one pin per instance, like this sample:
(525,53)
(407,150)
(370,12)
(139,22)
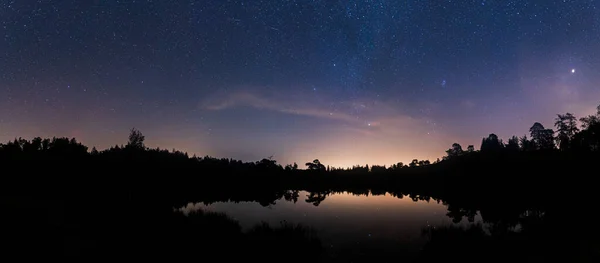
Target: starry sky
(348,82)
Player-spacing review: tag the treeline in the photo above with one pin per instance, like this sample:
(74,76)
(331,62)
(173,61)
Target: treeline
(531,166)
(568,137)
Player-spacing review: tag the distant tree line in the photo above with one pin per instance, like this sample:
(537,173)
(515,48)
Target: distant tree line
(567,137)
(571,135)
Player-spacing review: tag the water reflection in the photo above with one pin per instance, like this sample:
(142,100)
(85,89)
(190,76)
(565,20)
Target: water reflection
(343,219)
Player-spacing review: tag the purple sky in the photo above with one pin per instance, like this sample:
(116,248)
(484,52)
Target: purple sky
(348,82)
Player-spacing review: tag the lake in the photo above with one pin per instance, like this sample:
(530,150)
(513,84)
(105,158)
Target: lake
(344,221)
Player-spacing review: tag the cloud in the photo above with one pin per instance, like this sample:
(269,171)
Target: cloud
(370,117)
(294,105)
(368,129)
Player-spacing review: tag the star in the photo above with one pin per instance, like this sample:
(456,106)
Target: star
(393,78)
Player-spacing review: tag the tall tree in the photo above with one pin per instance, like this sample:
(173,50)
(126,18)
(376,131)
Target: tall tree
(536,131)
(513,144)
(566,126)
(491,143)
(589,137)
(591,120)
(547,140)
(542,138)
(136,139)
(526,144)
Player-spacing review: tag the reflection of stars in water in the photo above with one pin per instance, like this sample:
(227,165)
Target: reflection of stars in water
(443,83)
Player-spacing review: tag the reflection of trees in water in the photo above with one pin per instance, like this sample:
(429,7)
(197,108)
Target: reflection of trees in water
(457,213)
(500,217)
(316,198)
(417,198)
(497,217)
(291,195)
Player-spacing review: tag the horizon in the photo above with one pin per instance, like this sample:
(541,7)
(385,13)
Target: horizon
(273,157)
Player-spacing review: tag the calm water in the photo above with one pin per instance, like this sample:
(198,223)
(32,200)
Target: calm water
(344,220)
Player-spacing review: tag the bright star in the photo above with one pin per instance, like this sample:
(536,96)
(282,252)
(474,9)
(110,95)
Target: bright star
(572,70)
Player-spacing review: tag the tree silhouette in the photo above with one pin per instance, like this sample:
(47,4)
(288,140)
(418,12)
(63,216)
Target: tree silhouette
(136,139)
(316,165)
(547,140)
(455,151)
(471,148)
(36,144)
(542,138)
(397,166)
(513,144)
(588,139)
(65,147)
(566,126)
(267,165)
(378,168)
(536,133)
(591,120)
(526,144)
(491,143)
(414,163)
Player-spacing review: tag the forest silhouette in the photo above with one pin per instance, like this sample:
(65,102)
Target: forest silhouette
(62,199)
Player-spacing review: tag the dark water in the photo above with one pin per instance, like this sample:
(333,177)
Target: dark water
(346,221)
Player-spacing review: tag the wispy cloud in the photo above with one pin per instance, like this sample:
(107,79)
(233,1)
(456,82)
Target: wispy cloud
(366,116)
(291,105)
(369,128)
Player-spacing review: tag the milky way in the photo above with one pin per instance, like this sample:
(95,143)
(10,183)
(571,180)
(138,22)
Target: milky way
(348,82)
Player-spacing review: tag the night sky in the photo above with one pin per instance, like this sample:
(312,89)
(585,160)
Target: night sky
(348,82)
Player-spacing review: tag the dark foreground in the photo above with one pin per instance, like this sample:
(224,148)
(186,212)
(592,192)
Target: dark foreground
(59,200)
(536,208)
